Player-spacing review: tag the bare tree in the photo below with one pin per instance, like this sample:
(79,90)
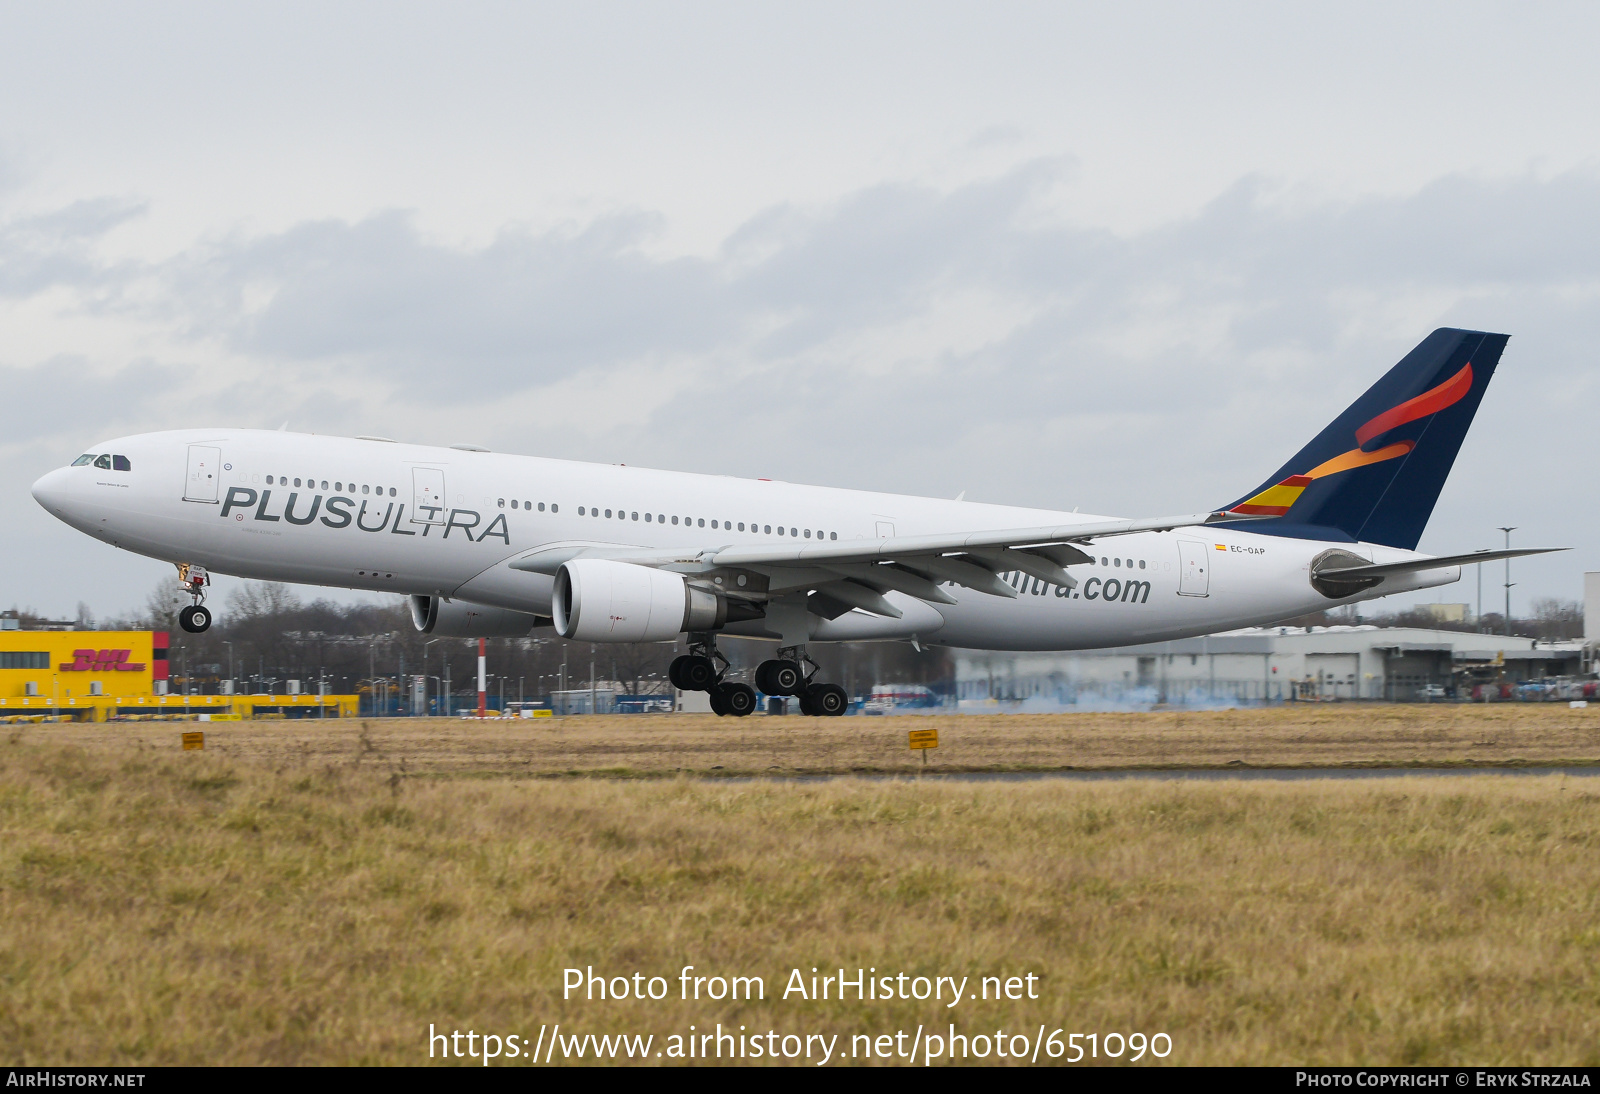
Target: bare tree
(1555,620)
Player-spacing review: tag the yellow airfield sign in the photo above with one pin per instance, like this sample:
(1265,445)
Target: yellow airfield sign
(924,738)
(193,741)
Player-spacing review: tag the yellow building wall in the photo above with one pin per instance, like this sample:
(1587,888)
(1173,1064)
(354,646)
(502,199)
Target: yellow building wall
(106,650)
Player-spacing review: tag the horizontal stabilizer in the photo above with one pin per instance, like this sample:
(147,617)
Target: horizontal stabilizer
(1415,565)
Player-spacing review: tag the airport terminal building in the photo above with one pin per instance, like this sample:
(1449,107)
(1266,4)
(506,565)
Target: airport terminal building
(1274,663)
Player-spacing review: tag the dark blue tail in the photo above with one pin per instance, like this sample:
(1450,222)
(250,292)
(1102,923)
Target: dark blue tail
(1375,473)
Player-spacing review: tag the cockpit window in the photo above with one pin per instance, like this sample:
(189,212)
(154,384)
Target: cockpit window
(120,463)
(103,462)
(84,460)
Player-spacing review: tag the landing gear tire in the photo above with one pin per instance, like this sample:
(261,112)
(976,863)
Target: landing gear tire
(736,700)
(780,678)
(806,706)
(825,701)
(692,673)
(718,706)
(196,618)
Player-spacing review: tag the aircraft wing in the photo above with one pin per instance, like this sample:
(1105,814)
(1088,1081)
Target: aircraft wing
(856,573)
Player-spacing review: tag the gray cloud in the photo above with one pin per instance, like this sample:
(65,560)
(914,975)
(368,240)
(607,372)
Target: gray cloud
(46,250)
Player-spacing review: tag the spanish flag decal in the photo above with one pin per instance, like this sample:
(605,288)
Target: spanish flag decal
(1275,501)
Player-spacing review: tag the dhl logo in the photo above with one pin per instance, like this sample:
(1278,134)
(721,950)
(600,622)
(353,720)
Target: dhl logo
(1277,500)
(102,661)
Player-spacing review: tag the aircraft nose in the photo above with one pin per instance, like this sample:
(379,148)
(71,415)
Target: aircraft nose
(53,490)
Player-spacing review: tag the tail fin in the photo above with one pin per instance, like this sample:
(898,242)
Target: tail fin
(1375,473)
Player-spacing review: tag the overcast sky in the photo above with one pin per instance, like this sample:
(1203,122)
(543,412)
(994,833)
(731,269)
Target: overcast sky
(1121,257)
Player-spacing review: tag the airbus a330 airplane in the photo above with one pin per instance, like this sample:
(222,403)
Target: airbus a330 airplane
(492,544)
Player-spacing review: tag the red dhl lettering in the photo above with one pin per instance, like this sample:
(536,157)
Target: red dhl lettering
(102,661)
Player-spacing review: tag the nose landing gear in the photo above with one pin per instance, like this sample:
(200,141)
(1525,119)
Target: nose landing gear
(196,618)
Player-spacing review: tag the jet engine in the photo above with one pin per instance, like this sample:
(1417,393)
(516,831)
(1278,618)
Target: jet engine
(463,619)
(599,600)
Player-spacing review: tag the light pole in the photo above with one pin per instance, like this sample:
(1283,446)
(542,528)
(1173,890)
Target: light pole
(231,681)
(1480,597)
(1508,532)
(425,646)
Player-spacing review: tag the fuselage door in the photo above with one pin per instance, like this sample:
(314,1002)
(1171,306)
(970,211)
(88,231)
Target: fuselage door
(427,495)
(1194,564)
(205,467)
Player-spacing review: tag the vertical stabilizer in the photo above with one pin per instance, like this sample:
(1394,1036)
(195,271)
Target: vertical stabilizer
(1375,473)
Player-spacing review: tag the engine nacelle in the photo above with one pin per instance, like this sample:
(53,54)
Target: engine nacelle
(463,619)
(597,600)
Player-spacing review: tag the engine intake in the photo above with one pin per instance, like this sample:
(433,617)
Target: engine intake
(463,619)
(598,600)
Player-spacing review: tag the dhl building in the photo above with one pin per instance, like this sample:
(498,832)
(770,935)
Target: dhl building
(105,675)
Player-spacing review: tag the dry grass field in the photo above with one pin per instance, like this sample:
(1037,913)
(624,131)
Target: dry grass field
(274,901)
(1303,735)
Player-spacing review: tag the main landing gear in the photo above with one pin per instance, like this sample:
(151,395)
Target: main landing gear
(196,617)
(786,675)
(703,668)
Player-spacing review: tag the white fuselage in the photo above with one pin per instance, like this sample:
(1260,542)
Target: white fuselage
(449,522)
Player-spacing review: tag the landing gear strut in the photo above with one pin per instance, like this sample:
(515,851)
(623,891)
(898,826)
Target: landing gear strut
(196,617)
(787,675)
(704,668)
